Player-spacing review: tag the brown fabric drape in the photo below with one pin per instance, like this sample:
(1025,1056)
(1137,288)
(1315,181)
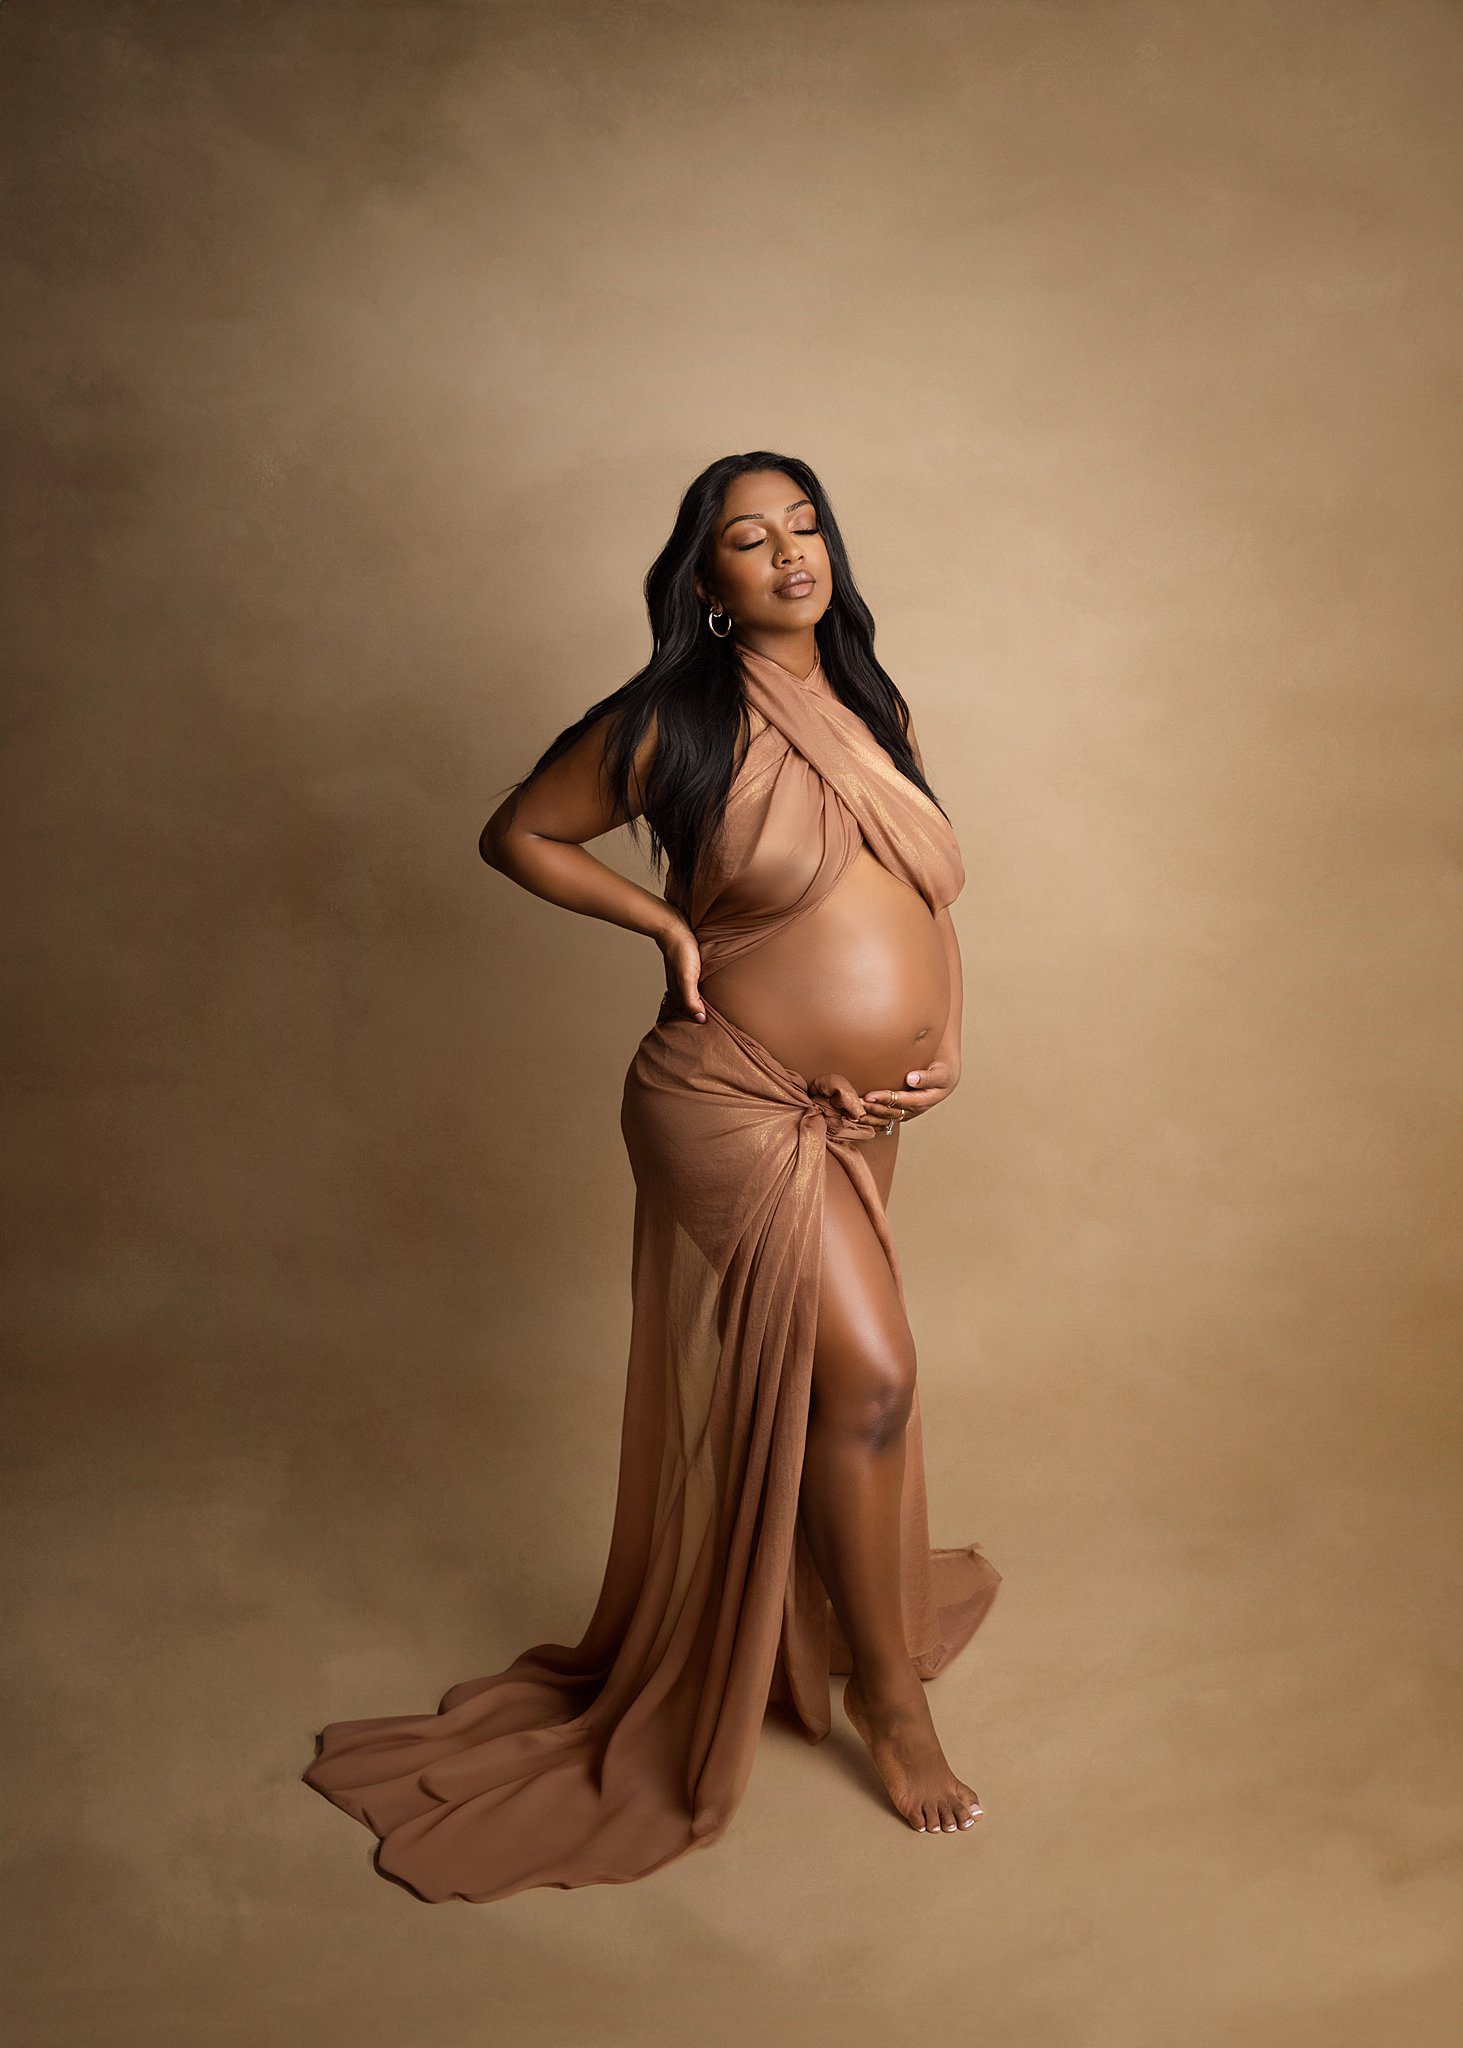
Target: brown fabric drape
(600,1762)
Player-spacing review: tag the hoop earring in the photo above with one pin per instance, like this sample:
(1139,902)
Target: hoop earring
(713,615)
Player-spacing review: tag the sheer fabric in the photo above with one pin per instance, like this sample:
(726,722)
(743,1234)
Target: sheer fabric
(598,1762)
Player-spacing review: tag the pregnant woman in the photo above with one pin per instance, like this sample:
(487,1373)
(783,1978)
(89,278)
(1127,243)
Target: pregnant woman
(770,1524)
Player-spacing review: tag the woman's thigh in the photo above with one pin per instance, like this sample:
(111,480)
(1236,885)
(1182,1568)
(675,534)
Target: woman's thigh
(863,1356)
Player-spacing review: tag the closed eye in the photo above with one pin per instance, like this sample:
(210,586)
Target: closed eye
(744,547)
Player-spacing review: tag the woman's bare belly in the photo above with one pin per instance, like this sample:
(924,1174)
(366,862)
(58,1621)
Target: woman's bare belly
(858,987)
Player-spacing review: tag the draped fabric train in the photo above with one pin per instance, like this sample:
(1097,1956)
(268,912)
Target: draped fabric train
(597,1763)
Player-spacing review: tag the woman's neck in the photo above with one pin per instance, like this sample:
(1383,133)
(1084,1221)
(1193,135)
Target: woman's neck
(795,652)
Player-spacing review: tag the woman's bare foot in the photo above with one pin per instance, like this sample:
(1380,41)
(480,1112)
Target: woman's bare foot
(896,1725)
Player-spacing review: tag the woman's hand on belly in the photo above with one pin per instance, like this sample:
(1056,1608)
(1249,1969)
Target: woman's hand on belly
(924,1087)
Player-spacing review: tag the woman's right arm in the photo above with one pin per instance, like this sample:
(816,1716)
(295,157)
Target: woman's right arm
(540,845)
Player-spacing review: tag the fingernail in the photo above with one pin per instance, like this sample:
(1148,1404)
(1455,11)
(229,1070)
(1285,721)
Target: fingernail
(911,1080)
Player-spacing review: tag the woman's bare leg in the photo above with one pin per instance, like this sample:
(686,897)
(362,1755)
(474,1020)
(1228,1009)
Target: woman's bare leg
(853,1472)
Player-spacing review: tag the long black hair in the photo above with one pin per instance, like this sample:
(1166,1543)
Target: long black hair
(693,687)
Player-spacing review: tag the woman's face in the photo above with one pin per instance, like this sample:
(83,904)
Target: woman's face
(768,563)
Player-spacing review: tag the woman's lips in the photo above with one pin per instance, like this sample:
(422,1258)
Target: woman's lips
(800,586)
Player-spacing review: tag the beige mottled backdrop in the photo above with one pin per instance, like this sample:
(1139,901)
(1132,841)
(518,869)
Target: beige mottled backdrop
(358,354)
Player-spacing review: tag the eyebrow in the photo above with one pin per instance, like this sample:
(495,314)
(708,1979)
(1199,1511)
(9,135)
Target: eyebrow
(761,515)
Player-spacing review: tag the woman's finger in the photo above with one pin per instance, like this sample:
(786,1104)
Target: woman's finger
(923,1081)
(906,1098)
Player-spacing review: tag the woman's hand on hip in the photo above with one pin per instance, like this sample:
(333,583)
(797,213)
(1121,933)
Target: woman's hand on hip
(924,1088)
(682,958)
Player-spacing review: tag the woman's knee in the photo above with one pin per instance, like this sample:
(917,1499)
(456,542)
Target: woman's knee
(863,1358)
(866,1394)
(886,1408)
